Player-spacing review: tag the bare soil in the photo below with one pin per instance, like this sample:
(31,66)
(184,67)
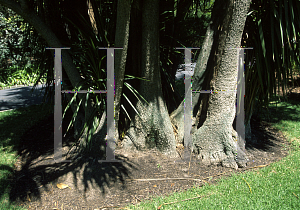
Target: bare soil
(101,185)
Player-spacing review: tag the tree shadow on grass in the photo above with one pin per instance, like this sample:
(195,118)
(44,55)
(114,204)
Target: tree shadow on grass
(83,175)
(12,125)
(263,133)
(36,170)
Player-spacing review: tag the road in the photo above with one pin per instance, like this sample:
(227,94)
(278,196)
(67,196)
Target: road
(20,97)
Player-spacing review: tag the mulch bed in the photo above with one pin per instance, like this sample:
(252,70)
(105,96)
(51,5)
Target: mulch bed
(95,185)
(90,184)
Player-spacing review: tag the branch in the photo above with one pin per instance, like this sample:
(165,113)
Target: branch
(24,5)
(163,179)
(23,10)
(34,20)
(12,5)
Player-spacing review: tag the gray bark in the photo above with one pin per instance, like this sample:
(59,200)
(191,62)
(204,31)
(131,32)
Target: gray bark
(177,116)
(121,40)
(248,132)
(154,127)
(215,139)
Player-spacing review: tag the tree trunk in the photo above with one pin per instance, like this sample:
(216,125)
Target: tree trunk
(216,69)
(215,139)
(121,40)
(153,127)
(177,117)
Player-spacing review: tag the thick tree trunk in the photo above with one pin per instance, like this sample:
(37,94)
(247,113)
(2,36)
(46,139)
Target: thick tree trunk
(177,117)
(153,127)
(215,139)
(121,40)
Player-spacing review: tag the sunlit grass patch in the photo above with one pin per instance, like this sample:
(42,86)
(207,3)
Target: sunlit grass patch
(13,125)
(273,187)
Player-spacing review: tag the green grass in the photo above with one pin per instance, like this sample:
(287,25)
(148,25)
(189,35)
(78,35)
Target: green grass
(274,187)
(13,125)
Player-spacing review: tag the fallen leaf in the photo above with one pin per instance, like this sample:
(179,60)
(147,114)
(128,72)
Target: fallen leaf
(62,186)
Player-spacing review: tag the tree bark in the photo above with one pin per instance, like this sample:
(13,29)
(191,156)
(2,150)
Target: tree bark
(153,127)
(216,69)
(215,139)
(121,40)
(199,79)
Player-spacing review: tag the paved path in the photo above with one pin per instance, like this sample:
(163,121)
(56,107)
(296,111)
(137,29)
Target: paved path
(20,97)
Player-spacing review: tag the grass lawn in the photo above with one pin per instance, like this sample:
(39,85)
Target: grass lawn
(276,186)
(13,124)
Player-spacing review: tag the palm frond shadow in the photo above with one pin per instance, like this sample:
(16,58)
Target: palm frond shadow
(38,172)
